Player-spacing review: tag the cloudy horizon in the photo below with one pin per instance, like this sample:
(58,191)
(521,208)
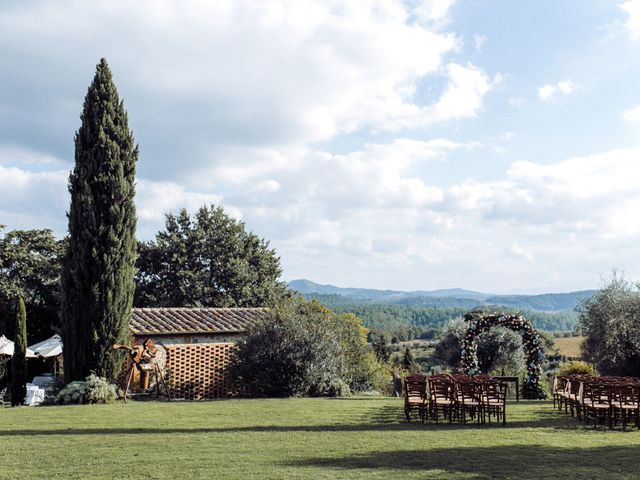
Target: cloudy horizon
(405,145)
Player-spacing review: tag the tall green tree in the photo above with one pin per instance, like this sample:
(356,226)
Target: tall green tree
(19,360)
(30,263)
(99,266)
(610,319)
(210,260)
(361,369)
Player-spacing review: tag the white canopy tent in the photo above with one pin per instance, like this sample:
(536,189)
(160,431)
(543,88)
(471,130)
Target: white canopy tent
(6,346)
(51,347)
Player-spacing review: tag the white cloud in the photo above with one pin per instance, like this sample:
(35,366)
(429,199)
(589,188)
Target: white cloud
(479,41)
(40,199)
(517,252)
(463,97)
(154,199)
(632,115)
(16,154)
(239,103)
(33,199)
(632,7)
(548,92)
(433,10)
(198,77)
(370,217)
(229,101)
(380,175)
(380,218)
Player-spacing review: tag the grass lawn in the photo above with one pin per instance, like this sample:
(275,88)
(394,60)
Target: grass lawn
(302,438)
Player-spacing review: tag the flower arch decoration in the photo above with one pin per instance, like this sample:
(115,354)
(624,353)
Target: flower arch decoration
(480,322)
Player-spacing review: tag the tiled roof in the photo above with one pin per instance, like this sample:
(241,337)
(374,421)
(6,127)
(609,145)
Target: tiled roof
(154,321)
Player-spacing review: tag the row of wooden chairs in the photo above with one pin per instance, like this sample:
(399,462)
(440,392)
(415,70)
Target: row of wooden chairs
(599,400)
(455,397)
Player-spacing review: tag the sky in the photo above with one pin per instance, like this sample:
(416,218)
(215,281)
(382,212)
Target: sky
(409,145)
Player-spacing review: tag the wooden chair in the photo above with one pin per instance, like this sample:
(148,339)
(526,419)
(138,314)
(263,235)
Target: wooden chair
(596,403)
(415,396)
(469,401)
(625,404)
(494,400)
(560,394)
(441,397)
(573,397)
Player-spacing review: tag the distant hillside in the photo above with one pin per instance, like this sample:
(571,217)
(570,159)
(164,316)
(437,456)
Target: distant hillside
(307,286)
(547,302)
(454,297)
(423,317)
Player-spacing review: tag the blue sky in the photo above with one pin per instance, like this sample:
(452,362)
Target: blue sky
(491,145)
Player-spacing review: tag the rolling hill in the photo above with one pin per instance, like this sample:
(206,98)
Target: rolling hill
(454,297)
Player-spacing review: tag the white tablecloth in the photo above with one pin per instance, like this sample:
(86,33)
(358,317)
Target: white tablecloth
(35,395)
(43,381)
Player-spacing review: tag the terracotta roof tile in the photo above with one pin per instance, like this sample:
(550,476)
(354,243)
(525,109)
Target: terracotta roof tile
(147,321)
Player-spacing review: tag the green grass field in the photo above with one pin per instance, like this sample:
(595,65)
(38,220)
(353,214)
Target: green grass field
(302,438)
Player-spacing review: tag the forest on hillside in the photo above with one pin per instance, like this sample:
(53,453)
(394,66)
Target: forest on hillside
(425,317)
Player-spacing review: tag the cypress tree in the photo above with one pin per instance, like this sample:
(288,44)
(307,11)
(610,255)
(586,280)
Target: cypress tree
(98,270)
(381,348)
(19,360)
(408,360)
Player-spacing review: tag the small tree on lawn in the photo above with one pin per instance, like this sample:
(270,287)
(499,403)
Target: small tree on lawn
(381,348)
(408,360)
(19,360)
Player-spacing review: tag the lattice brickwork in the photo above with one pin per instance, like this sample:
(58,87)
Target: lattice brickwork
(197,371)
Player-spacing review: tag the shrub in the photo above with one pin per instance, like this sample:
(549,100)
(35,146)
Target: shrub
(544,384)
(289,353)
(381,380)
(92,390)
(303,348)
(576,368)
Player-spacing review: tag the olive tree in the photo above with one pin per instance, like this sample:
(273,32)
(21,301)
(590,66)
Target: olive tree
(610,319)
(498,348)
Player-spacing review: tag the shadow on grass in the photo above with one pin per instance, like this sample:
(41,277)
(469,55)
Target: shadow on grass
(392,417)
(385,420)
(530,461)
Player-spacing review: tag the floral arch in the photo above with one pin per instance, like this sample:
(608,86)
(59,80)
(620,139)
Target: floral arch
(480,322)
